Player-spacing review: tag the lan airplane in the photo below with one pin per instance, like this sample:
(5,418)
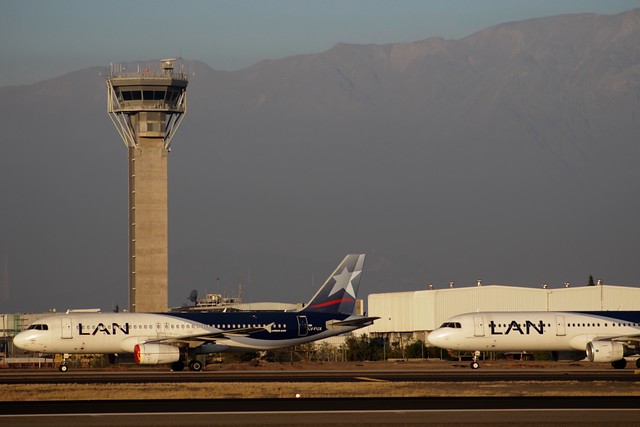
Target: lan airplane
(158,338)
(605,336)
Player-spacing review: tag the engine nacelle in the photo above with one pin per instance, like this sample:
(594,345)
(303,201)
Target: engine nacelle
(605,351)
(154,354)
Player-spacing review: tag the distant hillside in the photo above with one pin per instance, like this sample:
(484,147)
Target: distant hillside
(510,155)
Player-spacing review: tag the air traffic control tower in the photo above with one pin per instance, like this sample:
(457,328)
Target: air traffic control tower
(147,108)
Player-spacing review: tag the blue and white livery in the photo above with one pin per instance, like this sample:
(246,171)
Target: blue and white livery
(176,338)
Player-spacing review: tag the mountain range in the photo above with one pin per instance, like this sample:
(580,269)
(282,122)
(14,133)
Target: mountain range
(508,156)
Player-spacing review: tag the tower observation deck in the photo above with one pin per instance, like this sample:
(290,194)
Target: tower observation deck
(147,108)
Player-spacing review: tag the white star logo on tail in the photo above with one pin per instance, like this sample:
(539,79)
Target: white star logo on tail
(343,281)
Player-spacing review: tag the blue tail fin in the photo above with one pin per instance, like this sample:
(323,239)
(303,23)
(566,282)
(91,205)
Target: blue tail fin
(339,292)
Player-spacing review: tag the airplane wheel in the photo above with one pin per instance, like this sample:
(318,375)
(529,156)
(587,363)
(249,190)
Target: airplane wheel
(177,366)
(63,368)
(474,365)
(195,365)
(619,364)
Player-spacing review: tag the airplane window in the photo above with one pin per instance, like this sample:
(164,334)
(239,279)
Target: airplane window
(451,325)
(40,327)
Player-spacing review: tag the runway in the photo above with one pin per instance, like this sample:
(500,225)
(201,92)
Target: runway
(412,375)
(620,409)
(374,412)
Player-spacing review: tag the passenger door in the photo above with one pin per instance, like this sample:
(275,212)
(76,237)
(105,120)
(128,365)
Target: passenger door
(67,330)
(478,326)
(560,326)
(303,326)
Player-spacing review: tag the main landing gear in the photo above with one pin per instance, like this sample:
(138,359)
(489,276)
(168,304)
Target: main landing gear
(194,365)
(622,363)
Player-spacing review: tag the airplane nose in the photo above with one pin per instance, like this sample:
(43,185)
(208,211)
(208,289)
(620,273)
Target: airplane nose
(438,338)
(26,340)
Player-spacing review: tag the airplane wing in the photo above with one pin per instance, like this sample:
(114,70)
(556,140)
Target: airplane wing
(358,321)
(209,336)
(624,338)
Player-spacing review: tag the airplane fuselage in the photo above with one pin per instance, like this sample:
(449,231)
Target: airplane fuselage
(533,331)
(120,332)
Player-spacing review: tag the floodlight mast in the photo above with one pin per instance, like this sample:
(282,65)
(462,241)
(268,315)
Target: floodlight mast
(147,107)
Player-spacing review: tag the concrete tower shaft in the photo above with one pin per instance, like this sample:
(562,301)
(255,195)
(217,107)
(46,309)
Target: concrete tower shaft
(147,109)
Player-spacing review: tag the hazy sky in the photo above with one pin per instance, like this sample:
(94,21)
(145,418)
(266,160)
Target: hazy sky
(40,39)
(436,198)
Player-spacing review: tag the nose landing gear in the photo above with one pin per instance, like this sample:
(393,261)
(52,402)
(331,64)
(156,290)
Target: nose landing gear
(474,363)
(64,367)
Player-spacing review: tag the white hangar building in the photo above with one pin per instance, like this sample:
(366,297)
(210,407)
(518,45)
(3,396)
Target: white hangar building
(411,315)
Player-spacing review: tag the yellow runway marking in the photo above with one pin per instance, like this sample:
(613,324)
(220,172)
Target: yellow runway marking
(371,379)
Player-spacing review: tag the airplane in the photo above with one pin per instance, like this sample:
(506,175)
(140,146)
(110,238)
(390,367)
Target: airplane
(605,336)
(163,338)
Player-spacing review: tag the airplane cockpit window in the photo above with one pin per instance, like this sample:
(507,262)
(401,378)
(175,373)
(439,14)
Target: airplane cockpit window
(455,325)
(39,327)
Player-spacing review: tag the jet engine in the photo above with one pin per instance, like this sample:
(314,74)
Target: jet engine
(154,354)
(605,351)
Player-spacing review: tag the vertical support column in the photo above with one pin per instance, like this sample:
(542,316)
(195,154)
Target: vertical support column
(148,226)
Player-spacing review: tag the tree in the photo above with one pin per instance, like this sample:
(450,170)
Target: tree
(359,348)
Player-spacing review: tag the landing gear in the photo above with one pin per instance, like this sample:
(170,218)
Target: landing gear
(638,363)
(64,367)
(620,364)
(195,365)
(177,366)
(475,364)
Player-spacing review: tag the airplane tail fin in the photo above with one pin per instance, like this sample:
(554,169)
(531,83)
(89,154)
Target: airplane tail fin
(338,293)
